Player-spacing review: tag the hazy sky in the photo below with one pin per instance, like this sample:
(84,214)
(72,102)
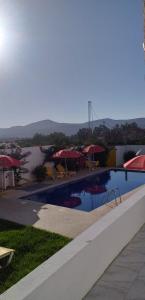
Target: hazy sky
(55,55)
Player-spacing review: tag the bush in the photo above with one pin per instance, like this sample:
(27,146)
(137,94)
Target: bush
(128,155)
(102,157)
(40,173)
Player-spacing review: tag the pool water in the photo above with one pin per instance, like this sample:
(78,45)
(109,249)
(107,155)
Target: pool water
(91,192)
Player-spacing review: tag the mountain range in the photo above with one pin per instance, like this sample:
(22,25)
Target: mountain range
(49,126)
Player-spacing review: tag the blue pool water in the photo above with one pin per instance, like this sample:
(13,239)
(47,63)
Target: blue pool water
(91,192)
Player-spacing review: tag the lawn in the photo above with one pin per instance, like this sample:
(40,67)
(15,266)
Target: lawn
(32,247)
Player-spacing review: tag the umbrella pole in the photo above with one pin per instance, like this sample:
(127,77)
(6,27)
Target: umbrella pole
(3,179)
(1,173)
(65,166)
(4,187)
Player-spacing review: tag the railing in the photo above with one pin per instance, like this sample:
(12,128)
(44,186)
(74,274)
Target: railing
(117,196)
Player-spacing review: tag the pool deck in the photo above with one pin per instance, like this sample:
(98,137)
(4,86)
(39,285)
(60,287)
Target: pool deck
(62,220)
(125,277)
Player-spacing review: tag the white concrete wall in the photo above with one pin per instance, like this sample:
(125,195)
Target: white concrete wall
(70,273)
(120,150)
(34,159)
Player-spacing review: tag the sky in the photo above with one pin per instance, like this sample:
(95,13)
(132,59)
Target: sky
(56,55)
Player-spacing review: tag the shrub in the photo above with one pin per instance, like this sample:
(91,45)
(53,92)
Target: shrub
(40,173)
(102,156)
(128,155)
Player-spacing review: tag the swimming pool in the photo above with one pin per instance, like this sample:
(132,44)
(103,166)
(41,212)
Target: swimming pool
(90,192)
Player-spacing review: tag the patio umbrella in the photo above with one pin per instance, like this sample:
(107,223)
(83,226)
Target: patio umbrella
(91,149)
(9,162)
(136,163)
(67,153)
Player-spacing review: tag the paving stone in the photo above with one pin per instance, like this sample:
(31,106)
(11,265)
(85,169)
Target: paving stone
(142,229)
(140,242)
(137,247)
(131,257)
(119,274)
(132,261)
(125,277)
(139,236)
(120,286)
(104,293)
(137,292)
(142,273)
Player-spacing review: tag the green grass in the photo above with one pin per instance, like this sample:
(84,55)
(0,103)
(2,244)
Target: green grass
(32,247)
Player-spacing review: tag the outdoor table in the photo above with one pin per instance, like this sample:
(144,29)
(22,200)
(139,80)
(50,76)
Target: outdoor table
(6,253)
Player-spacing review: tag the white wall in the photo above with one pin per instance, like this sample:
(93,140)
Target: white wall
(121,149)
(37,157)
(34,159)
(70,273)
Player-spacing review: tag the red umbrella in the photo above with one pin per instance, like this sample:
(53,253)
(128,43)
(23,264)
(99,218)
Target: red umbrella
(9,162)
(91,149)
(66,153)
(138,162)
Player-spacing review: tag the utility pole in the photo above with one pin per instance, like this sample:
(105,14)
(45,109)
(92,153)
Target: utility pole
(89,113)
(144,26)
(144,31)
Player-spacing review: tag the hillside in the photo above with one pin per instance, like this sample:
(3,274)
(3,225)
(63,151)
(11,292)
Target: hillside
(48,126)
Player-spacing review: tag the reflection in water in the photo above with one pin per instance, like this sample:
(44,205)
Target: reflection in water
(91,192)
(126,176)
(95,189)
